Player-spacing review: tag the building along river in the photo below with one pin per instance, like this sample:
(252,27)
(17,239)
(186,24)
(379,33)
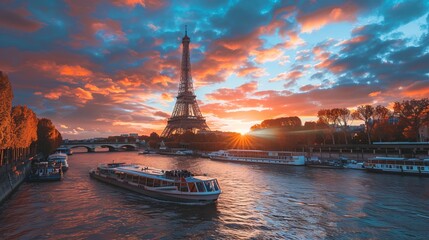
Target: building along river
(258,201)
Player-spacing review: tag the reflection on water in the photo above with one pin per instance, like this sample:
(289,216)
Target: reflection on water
(258,201)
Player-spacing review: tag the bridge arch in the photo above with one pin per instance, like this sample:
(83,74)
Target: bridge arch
(81,146)
(128,147)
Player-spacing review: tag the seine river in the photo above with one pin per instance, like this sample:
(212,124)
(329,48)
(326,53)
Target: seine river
(258,202)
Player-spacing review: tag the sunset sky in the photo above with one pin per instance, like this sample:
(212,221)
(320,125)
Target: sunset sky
(100,68)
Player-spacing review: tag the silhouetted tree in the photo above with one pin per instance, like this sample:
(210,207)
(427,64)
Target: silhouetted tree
(341,118)
(366,114)
(328,119)
(382,130)
(413,113)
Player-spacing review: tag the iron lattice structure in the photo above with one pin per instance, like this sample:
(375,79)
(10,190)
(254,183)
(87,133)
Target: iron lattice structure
(186,115)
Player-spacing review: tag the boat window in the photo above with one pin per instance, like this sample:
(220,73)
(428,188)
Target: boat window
(209,186)
(216,186)
(166,184)
(150,182)
(135,179)
(192,187)
(156,183)
(183,187)
(143,180)
(129,177)
(200,187)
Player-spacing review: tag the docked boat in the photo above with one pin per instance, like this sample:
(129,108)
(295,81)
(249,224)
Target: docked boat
(146,151)
(404,166)
(259,156)
(353,164)
(175,185)
(332,164)
(59,158)
(45,171)
(65,150)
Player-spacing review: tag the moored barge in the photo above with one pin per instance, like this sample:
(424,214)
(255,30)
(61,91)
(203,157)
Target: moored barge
(259,156)
(394,165)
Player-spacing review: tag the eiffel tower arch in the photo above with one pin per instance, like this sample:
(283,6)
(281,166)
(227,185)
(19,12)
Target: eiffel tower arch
(186,116)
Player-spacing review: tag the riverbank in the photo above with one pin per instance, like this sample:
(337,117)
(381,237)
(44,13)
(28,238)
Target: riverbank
(11,177)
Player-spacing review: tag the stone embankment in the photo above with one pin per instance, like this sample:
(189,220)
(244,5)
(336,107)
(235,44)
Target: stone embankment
(11,177)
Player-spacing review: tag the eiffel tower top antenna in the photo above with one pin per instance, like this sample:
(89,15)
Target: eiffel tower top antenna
(186,30)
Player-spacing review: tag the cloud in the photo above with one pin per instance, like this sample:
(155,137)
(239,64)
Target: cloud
(152,4)
(287,76)
(18,21)
(321,17)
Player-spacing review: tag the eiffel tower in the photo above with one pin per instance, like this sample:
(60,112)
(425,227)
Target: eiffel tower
(186,115)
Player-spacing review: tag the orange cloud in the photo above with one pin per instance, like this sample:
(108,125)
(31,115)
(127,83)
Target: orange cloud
(267,55)
(63,70)
(416,90)
(74,71)
(374,94)
(82,94)
(167,97)
(162,79)
(152,4)
(324,16)
(227,94)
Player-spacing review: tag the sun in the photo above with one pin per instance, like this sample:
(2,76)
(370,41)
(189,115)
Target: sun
(243,132)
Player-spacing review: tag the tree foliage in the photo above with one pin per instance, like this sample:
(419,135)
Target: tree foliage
(24,122)
(48,137)
(6,97)
(413,113)
(366,114)
(284,122)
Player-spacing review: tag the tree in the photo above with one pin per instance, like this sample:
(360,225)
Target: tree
(381,127)
(341,118)
(413,113)
(366,114)
(327,118)
(48,137)
(24,123)
(6,97)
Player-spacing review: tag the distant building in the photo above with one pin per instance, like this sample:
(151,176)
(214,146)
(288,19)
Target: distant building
(124,135)
(134,135)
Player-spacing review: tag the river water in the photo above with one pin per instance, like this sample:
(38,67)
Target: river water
(258,202)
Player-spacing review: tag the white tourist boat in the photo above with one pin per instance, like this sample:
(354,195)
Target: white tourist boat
(353,164)
(404,166)
(59,158)
(174,185)
(259,156)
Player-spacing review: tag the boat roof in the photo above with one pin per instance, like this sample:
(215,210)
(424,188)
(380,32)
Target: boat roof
(152,172)
(63,155)
(255,150)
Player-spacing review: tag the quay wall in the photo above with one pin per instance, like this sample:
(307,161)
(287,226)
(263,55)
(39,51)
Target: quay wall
(11,176)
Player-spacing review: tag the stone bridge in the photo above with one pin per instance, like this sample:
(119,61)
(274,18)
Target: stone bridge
(91,146)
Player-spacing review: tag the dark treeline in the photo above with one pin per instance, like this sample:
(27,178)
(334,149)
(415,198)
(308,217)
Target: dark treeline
(334,126)
(22,134)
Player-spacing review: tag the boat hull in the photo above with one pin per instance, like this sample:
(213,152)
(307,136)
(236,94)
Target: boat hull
(266,161)
(405,173)
(324,166)
(51,178)
(162,195)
